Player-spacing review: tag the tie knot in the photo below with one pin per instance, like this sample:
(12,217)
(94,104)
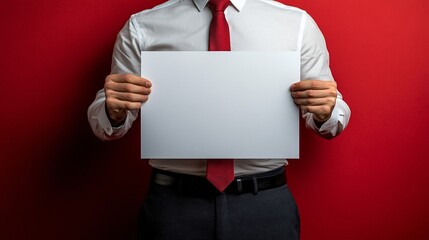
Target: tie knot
(218,5)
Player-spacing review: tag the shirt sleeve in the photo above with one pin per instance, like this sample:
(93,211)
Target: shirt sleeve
(125,59)
(315,65)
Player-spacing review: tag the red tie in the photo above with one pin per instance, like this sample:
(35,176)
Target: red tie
(219,29)
(220,172)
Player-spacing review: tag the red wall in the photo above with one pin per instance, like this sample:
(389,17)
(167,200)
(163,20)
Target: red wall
(57,181)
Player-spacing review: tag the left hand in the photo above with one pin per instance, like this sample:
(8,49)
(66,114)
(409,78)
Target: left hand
(315,96)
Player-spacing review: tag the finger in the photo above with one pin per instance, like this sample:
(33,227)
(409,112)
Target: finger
(129,78)
(127,88)
(314,101)
(115,104)
(313,84)
(331,92)
(126,96)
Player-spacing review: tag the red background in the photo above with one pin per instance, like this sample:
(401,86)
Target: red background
(57,181)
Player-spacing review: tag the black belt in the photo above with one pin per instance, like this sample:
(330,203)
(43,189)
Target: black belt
(196,185)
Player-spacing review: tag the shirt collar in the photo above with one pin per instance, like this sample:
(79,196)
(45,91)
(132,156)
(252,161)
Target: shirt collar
(238,4)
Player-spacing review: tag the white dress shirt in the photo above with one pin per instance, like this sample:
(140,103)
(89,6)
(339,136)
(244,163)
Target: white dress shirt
(255,25)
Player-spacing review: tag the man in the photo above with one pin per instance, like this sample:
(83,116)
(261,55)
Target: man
(182,203)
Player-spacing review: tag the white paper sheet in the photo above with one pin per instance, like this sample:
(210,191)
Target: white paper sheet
(220,105)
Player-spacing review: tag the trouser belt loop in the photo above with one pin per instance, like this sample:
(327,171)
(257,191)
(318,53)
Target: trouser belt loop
(239,186)
(255,185)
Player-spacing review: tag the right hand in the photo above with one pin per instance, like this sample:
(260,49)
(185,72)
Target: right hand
(125,92)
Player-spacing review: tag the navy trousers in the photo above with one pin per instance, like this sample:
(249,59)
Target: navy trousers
(168,214)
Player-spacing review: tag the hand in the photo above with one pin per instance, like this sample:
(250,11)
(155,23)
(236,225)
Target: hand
(315,96)
(125,92)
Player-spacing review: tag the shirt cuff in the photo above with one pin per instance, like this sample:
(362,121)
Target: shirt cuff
(331,125)
(104,121)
